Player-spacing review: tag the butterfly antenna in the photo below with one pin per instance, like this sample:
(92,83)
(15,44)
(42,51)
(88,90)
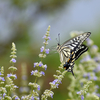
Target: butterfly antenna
(59,38)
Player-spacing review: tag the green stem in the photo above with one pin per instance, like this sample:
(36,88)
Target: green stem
(35,79)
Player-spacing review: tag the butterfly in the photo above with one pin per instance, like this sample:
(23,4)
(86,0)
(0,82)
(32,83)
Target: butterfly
(71,50)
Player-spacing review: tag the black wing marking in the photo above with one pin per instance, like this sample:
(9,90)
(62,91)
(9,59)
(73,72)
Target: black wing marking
(83,48)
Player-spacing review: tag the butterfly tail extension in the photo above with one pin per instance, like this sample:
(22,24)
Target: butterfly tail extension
(71,70)
(73,73)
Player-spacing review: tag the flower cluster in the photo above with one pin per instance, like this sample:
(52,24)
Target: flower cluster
(55,83)
(47,93)
(33,97)
(2,74)
(2,78)
(13,53)
(9,87)
(84,91)
(34,85)
(86,58)
(10,77)
(2,81)
(43,49)
(15,97)
(39,65)
(42,55)
(37,73)
(90,76)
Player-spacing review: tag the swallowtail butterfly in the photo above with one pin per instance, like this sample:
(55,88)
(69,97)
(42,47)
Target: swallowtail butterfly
(71,50)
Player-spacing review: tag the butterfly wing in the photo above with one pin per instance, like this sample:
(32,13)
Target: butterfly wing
(76,41)
(83,48)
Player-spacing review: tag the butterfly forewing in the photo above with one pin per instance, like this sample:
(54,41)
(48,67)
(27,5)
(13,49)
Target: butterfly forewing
(76,41)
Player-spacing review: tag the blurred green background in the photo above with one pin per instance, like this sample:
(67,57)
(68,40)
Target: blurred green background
(24,22)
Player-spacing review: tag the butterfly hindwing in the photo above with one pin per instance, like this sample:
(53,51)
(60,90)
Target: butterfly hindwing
(83,48)
(69,65)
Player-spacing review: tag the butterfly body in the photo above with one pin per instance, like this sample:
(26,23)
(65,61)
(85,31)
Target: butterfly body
(71,50)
